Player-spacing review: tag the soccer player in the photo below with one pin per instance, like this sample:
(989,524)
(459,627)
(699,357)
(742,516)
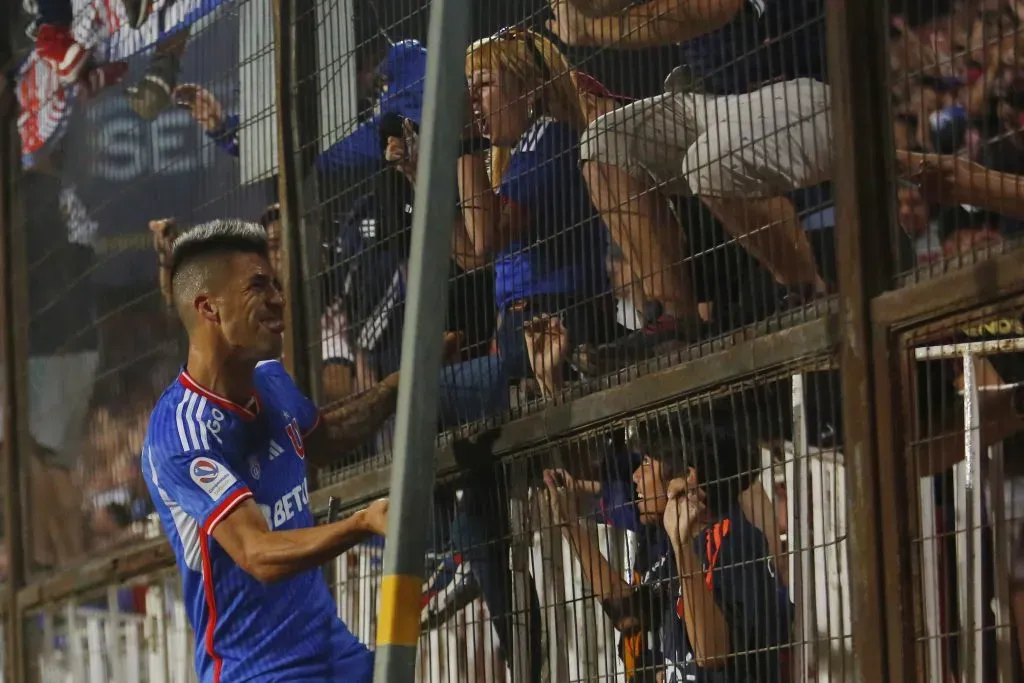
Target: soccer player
(225,462)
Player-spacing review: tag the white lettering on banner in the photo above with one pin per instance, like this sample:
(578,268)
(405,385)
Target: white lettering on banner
(291,503)
(124,149)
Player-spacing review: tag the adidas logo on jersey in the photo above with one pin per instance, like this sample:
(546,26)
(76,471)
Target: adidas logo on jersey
(276,449)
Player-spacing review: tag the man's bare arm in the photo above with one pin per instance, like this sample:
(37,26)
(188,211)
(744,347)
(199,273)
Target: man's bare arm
(352,423)
(652,24)
(274,555)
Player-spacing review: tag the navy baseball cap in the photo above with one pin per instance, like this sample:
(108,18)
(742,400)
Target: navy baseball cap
(404,71)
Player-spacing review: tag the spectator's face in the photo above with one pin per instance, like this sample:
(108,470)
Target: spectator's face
(651,495)
(913,212)
(274,246)
(500,109)
(249,306)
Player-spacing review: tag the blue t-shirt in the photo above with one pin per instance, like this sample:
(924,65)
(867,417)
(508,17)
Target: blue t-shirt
(767,40)
(739,571)
(203,456)
(564,252)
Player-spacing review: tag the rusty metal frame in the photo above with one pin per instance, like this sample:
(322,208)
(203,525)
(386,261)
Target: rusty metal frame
(805,344)
(12,348)
(879,543)
(866,330)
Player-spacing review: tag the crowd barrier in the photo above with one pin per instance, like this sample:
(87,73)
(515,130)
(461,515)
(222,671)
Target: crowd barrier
(779,242)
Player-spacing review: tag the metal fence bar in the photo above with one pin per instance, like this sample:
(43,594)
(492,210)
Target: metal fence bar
(412,475)
(289,144)
(858,35)
(9,317)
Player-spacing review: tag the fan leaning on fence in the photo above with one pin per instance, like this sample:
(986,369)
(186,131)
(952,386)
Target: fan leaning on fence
(225,462)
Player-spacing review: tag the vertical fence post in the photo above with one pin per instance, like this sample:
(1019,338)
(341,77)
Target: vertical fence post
(294,83)
(882,602)
(10,162)
(412,474)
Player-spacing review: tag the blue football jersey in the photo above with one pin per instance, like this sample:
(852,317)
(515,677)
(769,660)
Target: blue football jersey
(740,573)
(564,252)
(205,455)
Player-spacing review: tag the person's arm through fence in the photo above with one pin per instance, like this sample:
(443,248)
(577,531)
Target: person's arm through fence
(651,24)
(617,598)
(274,555)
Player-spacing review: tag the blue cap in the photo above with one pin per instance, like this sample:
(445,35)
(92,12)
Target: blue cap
(404,71)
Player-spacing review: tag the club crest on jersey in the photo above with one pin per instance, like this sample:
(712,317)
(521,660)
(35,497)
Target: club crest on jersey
(295,436)
(254,467)
(210,477)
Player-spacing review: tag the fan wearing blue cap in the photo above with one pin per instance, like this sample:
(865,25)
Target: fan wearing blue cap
(401,76)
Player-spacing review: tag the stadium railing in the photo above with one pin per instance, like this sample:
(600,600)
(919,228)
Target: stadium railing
(839,311)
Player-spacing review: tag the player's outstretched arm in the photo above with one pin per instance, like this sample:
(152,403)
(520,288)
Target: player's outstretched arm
(352,423)
(274,555)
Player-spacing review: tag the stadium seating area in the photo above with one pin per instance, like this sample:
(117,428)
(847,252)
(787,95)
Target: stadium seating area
(641,186)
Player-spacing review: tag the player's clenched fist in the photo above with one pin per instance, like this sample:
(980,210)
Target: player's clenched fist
(375,517)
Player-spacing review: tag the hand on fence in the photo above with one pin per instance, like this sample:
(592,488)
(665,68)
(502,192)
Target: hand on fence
(941,176)
(164,230)
(685,509)
(452,352)
(562,492)
(571,25)
(546,343)
(202,104)
(375,517)
(404,152)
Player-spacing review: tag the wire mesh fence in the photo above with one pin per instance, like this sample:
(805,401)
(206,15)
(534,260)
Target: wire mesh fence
(967,526)
(642,187)
(129,135)
(626,210)
(955,104)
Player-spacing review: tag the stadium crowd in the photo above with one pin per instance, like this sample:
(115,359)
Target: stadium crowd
(634,178)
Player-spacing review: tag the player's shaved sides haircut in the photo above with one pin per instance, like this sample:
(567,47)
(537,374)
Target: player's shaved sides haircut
(195,251)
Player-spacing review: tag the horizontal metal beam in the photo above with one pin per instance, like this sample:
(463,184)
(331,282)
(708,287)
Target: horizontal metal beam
(809,340)
(115,567)
(980,348)
(983,282)
(749,356)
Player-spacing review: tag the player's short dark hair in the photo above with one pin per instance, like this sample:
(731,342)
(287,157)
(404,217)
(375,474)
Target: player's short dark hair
(706,441)
(221,236)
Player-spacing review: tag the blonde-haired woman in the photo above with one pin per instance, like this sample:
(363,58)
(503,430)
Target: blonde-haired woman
(528,213)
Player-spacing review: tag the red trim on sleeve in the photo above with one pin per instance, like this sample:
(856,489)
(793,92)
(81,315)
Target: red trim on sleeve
(224,509)
(186,381)
(211,606)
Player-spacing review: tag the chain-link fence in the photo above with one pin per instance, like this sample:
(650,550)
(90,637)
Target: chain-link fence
(729,386)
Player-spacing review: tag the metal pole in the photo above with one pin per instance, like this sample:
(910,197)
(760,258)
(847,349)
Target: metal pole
(412,473)
(12,474)
(879,544)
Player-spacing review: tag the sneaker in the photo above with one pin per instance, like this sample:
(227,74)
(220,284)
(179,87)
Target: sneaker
(661,335)
(137,11)
(55,45)
(153,94)
(448,590)
(101,77)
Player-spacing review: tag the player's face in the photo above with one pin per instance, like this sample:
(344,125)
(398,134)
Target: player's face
(651,495)
(251,308)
